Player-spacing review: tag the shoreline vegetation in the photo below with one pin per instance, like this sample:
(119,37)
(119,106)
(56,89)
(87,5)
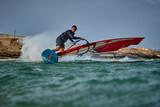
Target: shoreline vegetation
(10,48)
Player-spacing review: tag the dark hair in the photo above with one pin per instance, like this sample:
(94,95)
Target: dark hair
(74,26)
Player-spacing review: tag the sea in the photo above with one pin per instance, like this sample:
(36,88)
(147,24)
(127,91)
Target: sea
(80,83)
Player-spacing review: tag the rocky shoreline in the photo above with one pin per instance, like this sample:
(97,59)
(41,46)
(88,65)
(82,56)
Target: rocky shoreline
(10,47)
(136,53)
(140,53)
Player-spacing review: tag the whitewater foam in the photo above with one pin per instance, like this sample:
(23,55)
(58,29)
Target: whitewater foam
(72,58)
(34,45)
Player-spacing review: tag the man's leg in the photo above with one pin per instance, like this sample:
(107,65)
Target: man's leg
(57,48)
(62,49)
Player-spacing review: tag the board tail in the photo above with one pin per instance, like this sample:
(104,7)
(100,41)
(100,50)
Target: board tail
(49,56)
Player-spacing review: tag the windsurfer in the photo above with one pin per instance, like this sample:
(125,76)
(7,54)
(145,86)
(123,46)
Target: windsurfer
(69,34)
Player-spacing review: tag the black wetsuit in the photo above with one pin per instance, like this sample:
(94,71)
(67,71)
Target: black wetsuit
(64,37)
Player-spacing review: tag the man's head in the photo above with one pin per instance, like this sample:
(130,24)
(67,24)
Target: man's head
(74,28)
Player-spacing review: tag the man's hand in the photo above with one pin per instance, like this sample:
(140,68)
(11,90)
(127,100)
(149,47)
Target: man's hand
(74,43)
(81,38)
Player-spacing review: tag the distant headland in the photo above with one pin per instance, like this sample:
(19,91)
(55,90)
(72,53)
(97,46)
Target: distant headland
(10,48)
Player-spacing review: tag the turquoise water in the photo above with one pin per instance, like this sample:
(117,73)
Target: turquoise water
(80,84)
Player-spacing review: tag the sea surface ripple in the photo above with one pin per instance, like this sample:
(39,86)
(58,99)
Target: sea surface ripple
(80,84)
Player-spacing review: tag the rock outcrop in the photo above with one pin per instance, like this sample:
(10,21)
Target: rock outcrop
(10,46)
(139,52)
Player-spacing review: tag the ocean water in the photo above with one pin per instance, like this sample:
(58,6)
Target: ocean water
(80,83)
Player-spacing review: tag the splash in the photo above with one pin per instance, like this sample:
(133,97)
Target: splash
(71,58)
(89,57)
(34,45)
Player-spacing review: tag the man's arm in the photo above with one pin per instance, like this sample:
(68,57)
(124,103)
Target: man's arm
(75,37)
(71,36)
(71,40)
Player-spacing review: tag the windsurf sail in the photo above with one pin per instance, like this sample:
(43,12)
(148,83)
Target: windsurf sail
(102,46)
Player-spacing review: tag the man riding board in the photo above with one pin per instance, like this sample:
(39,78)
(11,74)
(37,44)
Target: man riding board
(69,34)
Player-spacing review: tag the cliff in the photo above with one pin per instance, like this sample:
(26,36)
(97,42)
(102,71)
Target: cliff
(10,46)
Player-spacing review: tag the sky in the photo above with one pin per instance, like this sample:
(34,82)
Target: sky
(96,19)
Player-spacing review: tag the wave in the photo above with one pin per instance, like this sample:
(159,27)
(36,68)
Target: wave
(90,58)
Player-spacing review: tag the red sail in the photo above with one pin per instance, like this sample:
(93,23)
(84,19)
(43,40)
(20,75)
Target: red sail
(105,45)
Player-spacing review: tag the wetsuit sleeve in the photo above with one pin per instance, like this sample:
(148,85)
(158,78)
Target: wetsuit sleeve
(71,36)
(75,37)
(71,39)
